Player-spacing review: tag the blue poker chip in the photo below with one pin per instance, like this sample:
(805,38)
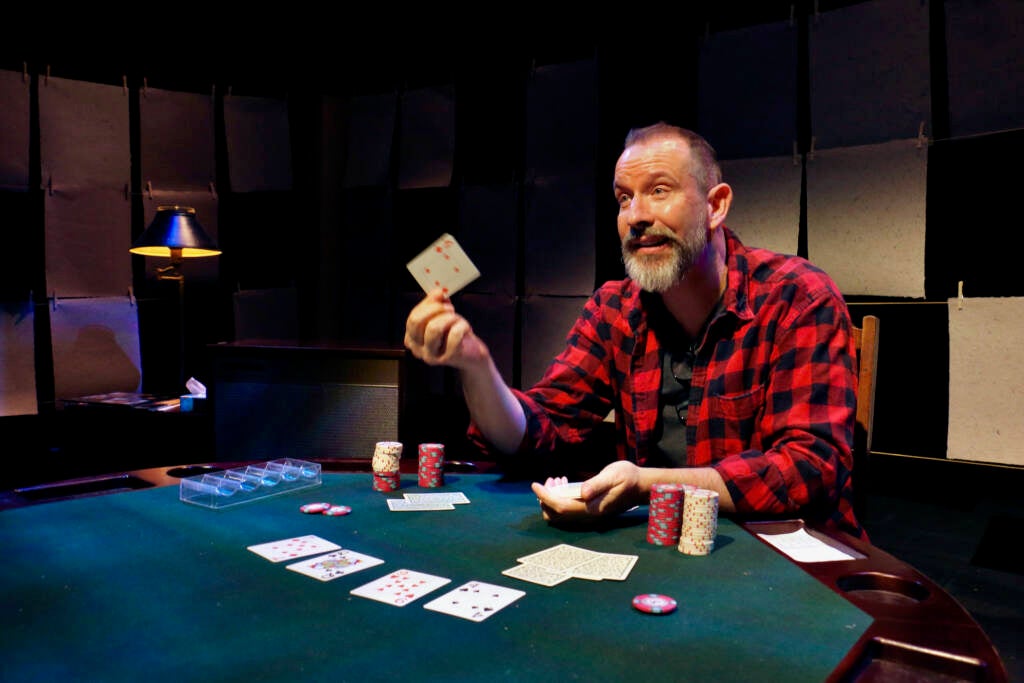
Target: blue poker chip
(654,603)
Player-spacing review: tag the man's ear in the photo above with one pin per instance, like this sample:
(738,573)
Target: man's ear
(719,201)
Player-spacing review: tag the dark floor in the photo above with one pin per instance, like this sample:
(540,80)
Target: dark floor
(969,545)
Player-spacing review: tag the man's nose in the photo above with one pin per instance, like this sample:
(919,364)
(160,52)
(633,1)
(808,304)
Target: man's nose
(638,215)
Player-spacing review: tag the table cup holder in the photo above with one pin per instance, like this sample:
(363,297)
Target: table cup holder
(883,587)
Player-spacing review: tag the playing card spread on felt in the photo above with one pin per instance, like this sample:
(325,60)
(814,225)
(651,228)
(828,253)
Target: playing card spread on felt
(558,563)
(332,565)
(454,497)
(443,264)
(406,505)
(291,548)
(606,566)
(475,600)
(534,573)
(400,587)
(561,557)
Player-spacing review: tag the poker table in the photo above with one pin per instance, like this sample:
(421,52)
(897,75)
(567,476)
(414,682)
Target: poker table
(137,585)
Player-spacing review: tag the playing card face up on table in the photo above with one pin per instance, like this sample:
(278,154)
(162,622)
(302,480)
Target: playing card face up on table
(475,600)
(400,587)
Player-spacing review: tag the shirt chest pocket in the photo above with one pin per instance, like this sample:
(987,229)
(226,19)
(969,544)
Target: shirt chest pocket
(729,420)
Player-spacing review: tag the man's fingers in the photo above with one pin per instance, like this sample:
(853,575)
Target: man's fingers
(431,306)
(547,500)
(555,506)
(435,334)
(457,332)
(597,486)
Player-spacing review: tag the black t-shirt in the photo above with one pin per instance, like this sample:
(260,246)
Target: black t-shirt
(670,433)
(678,351)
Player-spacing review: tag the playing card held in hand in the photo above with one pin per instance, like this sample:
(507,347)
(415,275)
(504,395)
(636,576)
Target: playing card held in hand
(443,264)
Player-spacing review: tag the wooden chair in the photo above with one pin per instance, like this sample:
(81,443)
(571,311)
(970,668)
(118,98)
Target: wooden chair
(866,339)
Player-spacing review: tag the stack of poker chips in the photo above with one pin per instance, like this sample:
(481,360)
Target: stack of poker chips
(700,522)
(431,465)
(664,515)
(387,456)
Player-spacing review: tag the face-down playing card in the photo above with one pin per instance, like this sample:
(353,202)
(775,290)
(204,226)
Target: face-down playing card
(475,600)
(443,264)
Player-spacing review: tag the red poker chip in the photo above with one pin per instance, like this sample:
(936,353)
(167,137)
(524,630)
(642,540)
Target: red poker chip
(653,603)
(337,510)
(314,508)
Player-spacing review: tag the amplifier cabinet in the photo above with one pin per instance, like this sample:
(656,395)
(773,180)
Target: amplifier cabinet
(302,401)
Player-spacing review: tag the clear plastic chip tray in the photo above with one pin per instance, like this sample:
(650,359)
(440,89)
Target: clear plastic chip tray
(225,488)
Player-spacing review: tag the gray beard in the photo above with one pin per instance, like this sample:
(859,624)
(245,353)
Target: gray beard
(658,273)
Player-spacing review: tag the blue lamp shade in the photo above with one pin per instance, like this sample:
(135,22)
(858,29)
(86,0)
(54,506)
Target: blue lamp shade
(175,232)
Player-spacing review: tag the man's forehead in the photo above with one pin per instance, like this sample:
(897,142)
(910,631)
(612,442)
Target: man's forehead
(667,150)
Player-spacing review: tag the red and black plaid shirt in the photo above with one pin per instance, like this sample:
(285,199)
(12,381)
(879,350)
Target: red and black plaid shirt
(773,394)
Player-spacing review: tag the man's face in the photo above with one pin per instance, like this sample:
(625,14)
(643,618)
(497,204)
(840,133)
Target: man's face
(663,213)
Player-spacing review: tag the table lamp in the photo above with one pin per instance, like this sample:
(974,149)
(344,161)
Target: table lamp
(175,233)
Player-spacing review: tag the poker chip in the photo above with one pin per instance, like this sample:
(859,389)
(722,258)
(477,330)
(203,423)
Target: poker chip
(387,456)
(700,522)
(653,603)
(665,514)
(431,465)
(337,510)
(314,508)
(383,481)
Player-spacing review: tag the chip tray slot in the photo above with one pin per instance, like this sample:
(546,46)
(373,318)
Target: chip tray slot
(227,488)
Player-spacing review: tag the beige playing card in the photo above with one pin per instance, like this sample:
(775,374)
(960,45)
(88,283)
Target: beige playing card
(443,264)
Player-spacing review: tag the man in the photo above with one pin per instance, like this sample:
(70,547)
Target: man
(727,367)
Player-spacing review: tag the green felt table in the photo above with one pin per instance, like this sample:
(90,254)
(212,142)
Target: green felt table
(139,586)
